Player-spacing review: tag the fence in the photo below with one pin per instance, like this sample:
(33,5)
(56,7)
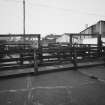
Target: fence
(18,51)
(24,53)
(77,52)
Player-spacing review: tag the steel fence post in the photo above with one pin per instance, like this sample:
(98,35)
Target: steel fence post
(35,62)
(74,58)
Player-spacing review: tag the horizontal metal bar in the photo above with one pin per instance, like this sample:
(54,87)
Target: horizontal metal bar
(21,35)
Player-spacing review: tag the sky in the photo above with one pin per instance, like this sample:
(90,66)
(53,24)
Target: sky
(50,16)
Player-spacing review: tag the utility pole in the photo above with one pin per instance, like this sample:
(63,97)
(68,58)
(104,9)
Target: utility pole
(24,30)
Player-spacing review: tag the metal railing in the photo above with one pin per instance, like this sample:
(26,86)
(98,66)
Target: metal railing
(16,55)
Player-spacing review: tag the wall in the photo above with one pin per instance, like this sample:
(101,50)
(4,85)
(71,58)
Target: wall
(66,39)
(63,39)
(92,40)
(102,27)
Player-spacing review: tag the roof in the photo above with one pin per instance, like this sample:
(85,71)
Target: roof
(88,28)
(93,25)
(51,36)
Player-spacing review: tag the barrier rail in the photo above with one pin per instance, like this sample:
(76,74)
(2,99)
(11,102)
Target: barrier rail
(16,55)
(18,51)
(80,53)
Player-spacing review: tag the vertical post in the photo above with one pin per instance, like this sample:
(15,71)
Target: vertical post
(71,39)
(39,42)
(71,47)
(40,50)
(35,62)
(74,58)
(99,39)
(100,29)
(99,45)
(24,17)
(58,50)
(89,49)
(22,55)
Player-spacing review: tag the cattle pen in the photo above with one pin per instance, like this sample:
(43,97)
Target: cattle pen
(28,52)
(57,74)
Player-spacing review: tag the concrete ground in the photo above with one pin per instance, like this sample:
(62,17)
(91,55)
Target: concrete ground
(83,87)
(98,72)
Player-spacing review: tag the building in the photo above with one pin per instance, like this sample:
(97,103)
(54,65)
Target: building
(49,39)
(89,34)
(93,31)
(65,38)
(98,28)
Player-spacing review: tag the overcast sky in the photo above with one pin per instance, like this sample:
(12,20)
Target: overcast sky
(50,16)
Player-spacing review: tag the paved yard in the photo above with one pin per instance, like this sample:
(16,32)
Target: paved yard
(57,88)
(95,71)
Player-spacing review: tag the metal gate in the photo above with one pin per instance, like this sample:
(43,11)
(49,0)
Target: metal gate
(18,51)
